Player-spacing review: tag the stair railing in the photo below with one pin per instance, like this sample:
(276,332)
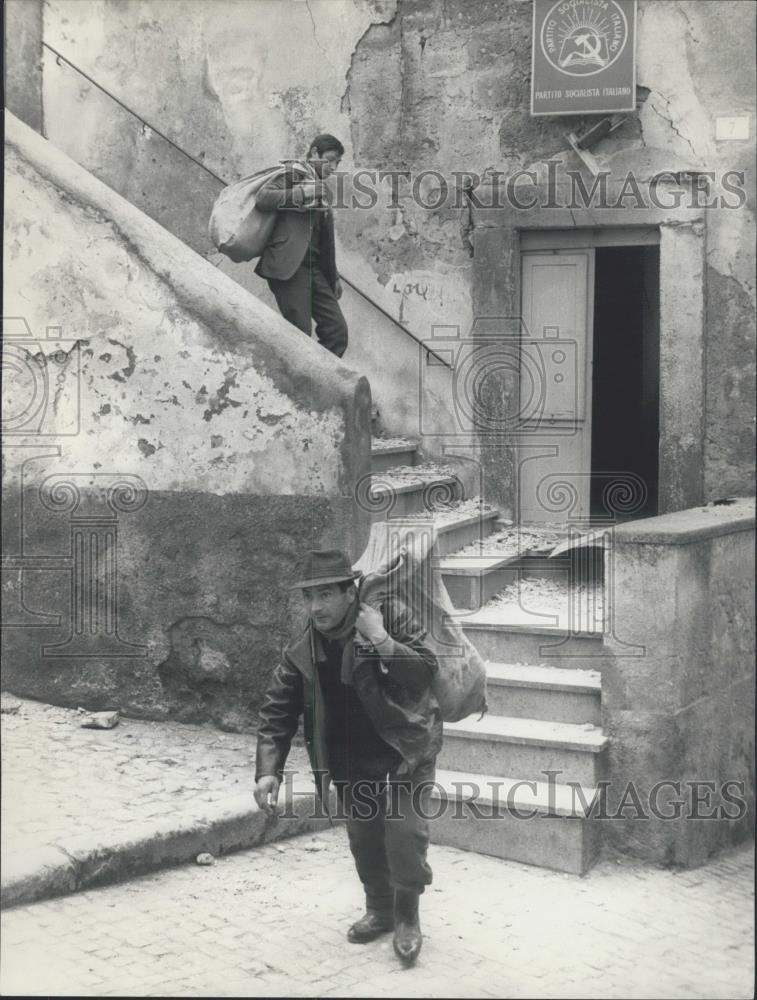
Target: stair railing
(60,58)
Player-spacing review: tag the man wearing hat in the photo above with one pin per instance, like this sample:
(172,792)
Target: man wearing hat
(362,679)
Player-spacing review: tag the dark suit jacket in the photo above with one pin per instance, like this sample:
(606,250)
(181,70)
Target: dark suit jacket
(290,238)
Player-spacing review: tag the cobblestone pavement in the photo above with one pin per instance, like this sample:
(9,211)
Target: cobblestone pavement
(271,922)
(60,780)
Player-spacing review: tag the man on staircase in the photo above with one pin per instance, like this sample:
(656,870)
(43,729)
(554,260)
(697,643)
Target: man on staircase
(299,261)
(362,679)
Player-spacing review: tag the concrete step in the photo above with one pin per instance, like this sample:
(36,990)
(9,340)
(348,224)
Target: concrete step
(472,580)
(534,645)
(456,524)
(512,747)
(393,453)
(554,694)
(409,490)
(538,602)
(455,531)
(535,823)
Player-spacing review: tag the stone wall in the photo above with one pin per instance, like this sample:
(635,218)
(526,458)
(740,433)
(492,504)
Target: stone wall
(414,393)
(678,692)
(171,447)
(23,61)
(425,84)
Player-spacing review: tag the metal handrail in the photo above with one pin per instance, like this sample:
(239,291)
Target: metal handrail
(393,319)
(60,57)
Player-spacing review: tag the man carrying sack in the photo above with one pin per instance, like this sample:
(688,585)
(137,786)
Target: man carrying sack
(362,678)
(299,259)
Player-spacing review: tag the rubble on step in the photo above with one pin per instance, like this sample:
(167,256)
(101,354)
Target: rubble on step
(405,475)
(515,541)
(443,512)
(388,443)
(534,600)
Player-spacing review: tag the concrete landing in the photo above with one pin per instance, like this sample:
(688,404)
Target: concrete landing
(82,807)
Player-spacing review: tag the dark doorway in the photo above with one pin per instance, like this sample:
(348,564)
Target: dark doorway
(626,382)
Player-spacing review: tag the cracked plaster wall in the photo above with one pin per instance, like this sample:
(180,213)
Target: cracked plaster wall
(145,378)
(420,84)
(126,357)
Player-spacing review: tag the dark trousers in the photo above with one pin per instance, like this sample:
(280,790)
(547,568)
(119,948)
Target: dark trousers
(307,295)
(388,830)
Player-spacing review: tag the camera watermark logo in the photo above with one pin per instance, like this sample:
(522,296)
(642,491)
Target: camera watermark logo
(623,493)
(41,382)
(42,401)
(505,381)
(382,495)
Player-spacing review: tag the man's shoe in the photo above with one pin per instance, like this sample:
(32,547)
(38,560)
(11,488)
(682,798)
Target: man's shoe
(407,929)
(369,927)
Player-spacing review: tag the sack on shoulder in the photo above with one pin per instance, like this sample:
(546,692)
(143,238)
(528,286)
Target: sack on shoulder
(237,227)
(400,561)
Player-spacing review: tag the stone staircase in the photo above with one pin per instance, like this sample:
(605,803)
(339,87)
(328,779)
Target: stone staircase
(520,782)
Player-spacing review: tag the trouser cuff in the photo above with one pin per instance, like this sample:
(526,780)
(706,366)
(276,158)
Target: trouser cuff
(418,887)
(380,901)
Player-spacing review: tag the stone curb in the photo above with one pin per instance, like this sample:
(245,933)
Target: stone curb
(93,859)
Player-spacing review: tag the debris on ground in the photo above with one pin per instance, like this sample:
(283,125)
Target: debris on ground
(386,443)
(442,511)
(425,474)
(716,506)
(514,541)
(205,859)
(9,706)
(98,720)
(576,605)
(256,968)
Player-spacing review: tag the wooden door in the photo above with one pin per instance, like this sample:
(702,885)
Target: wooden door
(554,443)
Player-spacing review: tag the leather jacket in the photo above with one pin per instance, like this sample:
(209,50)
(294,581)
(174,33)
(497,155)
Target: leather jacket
(394,689)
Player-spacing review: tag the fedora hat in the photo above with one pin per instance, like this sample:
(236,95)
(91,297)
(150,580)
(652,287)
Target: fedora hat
(323,566)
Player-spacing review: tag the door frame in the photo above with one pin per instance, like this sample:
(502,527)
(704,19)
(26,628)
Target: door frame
(498,236)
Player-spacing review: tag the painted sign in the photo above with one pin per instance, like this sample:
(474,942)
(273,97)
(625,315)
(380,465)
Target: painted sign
(583,58)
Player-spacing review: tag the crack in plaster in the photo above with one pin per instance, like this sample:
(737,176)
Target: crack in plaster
(315,37)
(668,118)
(57,398)
(689,26)
(345,98)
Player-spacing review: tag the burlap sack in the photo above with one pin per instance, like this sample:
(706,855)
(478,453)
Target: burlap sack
(237,227)
(399,561)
